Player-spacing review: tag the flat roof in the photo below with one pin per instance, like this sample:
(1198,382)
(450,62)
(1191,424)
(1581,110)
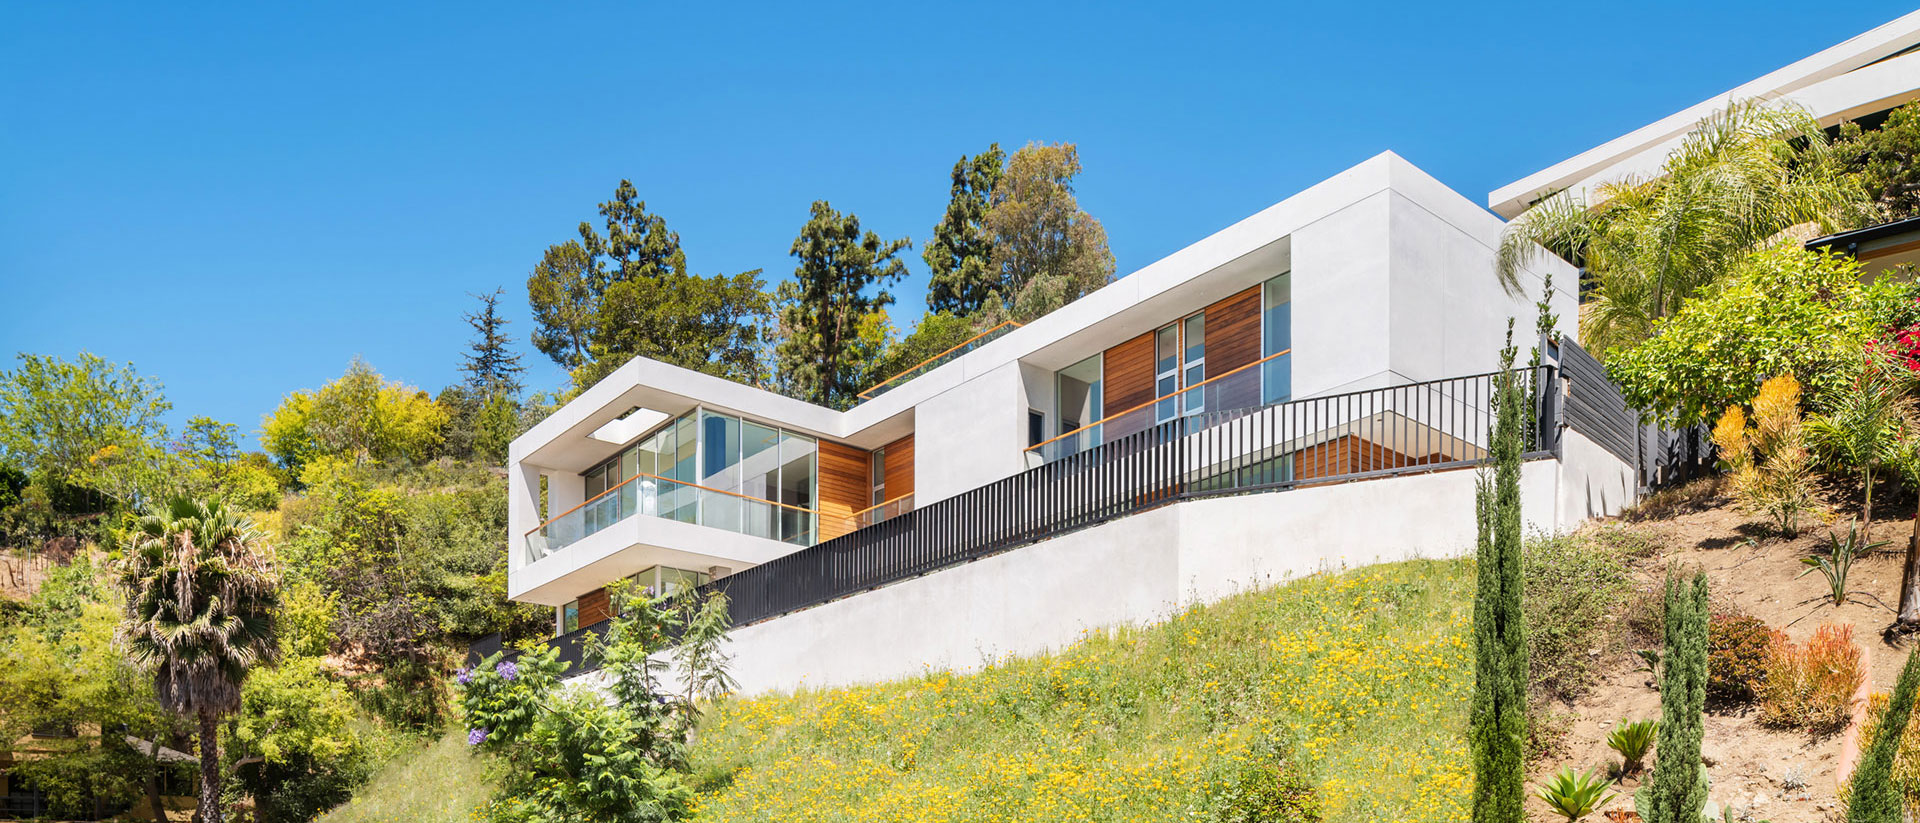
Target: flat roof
(1869,72)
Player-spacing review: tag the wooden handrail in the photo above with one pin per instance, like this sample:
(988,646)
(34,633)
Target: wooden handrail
(638,475)
(961,345)
(882,503)
(1201,384)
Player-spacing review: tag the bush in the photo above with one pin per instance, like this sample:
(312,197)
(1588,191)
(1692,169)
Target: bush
(1573,584)
(1906,759)
(1261,787)
(1810,686)
(1737,646)
(1767,463)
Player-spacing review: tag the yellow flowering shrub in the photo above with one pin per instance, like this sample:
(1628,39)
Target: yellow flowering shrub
(1355,685)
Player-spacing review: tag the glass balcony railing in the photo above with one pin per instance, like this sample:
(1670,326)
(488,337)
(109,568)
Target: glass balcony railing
(654,496)
(883,512)
(939,360)
(1242,388)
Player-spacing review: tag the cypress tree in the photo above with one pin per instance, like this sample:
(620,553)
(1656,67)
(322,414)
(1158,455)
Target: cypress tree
(1677,791)
(1499,712)
(1872,796)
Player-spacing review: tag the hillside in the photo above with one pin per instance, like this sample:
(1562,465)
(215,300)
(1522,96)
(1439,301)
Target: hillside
(1357,683)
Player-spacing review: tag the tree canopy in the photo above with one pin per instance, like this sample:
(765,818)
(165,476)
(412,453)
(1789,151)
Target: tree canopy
(960,255)
(359,417)
(612,295)
(837,292)
(84,422)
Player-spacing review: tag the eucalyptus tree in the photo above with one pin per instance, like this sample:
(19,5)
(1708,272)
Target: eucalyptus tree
(1740,179)
(202,592)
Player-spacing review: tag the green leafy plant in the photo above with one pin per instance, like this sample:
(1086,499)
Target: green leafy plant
(1677,789)
(1632,740)
(1838,562)
(1574,795)
(1861,429)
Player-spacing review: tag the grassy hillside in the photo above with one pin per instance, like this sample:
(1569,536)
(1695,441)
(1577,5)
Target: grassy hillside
(1361,679)
(440,782)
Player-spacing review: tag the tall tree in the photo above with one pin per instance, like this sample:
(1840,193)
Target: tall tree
(1872,794)
(606,298)
(1047,252)
(1677,789)
(1498,713)
(1740,178)
(837,292)
(85,422)
(960,255)
(492,367)
(201,597)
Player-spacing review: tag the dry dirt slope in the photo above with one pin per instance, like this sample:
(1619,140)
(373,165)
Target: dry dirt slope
(1764,774)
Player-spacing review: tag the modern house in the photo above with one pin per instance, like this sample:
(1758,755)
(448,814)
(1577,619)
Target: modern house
(1351,324)
(1196,427)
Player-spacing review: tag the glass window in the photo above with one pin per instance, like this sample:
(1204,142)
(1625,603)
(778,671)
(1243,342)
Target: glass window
(680,502)
(1276,336)
(570,618)
(760,477)
(877,463)
(720,470)
(1195,368)
(1166,346)
(798,482)
(1078,394)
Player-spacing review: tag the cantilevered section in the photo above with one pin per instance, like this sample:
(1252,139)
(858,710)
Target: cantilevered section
(1865,75)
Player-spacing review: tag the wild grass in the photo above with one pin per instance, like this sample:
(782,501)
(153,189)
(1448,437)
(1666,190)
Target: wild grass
(436,781)
(1357,682)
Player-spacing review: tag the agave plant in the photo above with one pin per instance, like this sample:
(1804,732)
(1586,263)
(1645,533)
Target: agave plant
(1632,740)
(1574,795)
(1839,561)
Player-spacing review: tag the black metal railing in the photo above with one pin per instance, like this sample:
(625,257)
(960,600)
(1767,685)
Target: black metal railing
(1432,426)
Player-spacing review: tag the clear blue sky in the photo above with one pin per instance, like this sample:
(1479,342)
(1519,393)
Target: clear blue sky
(240,199)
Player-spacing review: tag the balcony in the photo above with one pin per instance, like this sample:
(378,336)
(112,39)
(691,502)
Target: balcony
(938,360)
(655,496)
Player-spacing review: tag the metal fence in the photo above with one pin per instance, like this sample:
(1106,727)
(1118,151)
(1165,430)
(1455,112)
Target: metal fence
(1419,427)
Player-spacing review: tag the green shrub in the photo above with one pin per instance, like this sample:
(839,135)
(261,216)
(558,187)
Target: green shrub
(1633,740)
(1574,796)
(1260,787)
(1573,583)
(1737,646)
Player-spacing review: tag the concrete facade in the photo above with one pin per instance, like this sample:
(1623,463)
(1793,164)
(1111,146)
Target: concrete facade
(1391,284)
(1141,569)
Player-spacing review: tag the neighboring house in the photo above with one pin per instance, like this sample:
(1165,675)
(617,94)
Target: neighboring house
(1860,79)
(1880,249)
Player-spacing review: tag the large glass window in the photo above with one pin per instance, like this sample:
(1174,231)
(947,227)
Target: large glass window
(877,466)
(709,468)
(1077,393)
(1276,337)
(1166,370)
(1194,372)
(799,467)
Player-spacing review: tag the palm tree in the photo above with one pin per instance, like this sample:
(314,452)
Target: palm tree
(201,595)
(1741,178)
(1862,426)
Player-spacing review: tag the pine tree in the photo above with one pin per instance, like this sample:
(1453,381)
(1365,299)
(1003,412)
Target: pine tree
(492,368)
(960,253)
(1498,719)
(831,328)
(1872,796)
(1677,790)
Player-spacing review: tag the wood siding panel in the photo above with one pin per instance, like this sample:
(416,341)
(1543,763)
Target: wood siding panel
(846,486)
(595,606)
(1352,455)
(899,467)
(1233,341)
(1127,381)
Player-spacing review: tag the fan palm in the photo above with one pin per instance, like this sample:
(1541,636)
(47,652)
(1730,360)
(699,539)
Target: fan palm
(1743,176)
(201,595)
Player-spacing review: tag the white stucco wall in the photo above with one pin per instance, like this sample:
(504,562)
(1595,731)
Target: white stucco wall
(966,437)
(1137,569)
(1593,482)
